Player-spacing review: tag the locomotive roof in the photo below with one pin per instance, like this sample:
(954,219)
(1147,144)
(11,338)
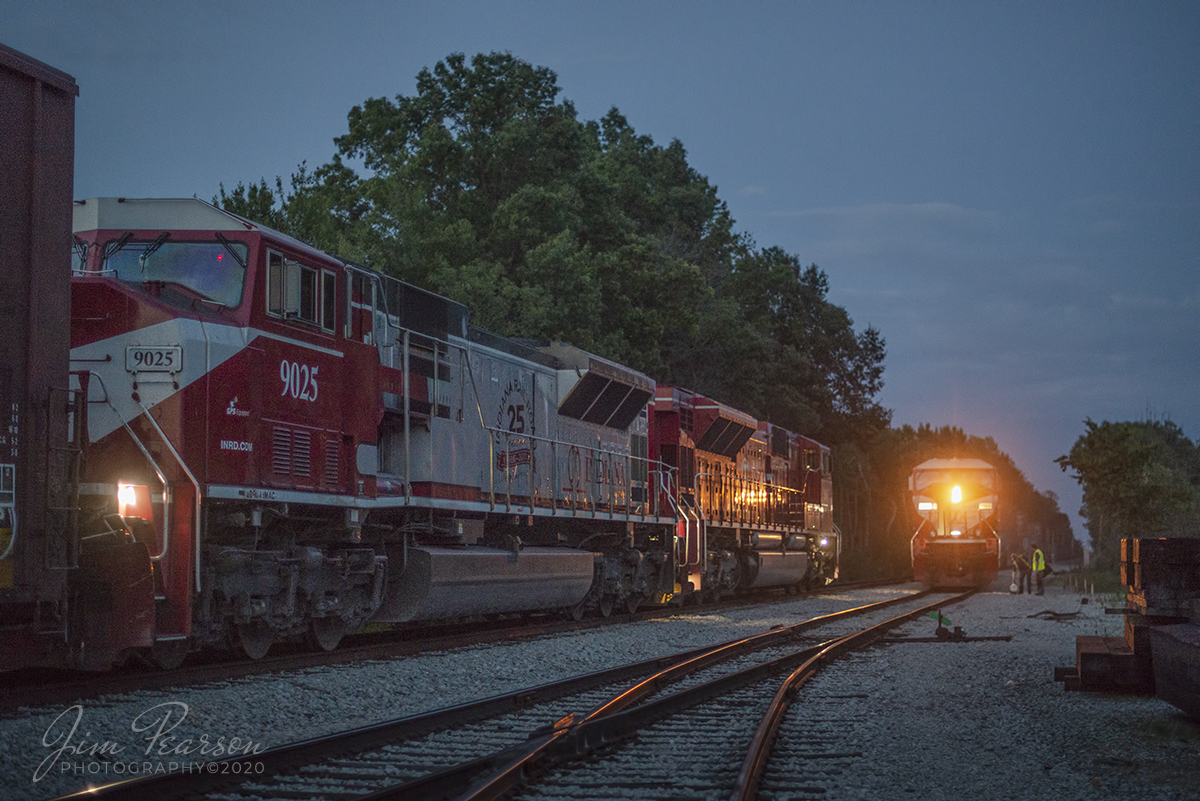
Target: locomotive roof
(954,464)
(160,214)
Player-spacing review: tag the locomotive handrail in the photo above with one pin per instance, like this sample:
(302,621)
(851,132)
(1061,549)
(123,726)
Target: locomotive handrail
(768,490)
(407,412)
(402,337)
(554,443)
(192,478)
(653,466)
(166,538)
(465,352)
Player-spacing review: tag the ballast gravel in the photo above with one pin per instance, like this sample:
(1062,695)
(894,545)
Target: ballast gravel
(974,720)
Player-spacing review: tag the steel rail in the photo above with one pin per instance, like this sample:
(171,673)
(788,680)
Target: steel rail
(292,755)
(60,688)
(613,720)
(619,718)
(503,769)
(750,775)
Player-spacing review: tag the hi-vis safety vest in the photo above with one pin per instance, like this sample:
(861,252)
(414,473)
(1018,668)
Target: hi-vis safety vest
(1039,559)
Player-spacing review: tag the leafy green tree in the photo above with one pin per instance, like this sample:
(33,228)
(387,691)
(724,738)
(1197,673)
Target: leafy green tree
(485,186)
(1139,479)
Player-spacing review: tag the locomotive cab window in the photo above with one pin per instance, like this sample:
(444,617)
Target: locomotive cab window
(296,291)
(211,272)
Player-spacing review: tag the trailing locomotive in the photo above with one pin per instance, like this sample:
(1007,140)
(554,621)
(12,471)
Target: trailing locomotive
(255,441)
(955,544)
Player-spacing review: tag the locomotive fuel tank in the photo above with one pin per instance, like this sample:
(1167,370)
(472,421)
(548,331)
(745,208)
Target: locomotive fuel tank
(438,583)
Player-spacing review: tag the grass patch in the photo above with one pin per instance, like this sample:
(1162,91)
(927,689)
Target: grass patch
(1105,582)
(1174,727)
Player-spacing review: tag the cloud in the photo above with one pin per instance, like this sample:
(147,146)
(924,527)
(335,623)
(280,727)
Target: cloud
(883,219)
(1144,303)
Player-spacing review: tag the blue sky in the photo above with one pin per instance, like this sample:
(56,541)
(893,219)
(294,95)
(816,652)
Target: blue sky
(1009,191)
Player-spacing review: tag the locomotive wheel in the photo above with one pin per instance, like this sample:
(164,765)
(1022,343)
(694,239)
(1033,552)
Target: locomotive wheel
(169,654)
(577,611)
(255,638)
(326,632)
(632,602)
(606,606)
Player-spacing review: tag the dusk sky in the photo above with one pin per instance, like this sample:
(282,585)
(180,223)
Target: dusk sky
(1009,192)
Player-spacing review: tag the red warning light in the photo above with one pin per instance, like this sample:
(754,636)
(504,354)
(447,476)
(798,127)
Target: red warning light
(220,256)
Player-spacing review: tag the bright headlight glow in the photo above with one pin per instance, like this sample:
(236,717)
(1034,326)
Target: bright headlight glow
(955,533)
(126,496)
(824,541)
(956,494)
(926,506)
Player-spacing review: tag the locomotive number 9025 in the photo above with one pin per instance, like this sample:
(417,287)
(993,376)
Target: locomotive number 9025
(139,359)
(299,380)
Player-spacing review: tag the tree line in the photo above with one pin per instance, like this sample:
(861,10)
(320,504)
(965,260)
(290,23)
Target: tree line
(1139,479)
(486,187)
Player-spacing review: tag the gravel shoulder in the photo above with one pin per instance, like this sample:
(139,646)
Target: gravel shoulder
(981,718)
(987,720)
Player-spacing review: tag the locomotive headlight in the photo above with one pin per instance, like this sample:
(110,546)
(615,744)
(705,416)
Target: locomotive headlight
(126,497)
(926,506)
(824,541)
(956,494)
(133,500)
(955,533)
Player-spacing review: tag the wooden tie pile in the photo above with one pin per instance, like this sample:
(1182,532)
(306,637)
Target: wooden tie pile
(1160,652)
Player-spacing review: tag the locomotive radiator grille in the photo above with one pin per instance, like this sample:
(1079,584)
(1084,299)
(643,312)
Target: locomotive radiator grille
(331,462)
(302,454)
(281,452)
(291,453)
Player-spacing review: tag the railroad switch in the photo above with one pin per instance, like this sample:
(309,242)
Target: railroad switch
(943,633)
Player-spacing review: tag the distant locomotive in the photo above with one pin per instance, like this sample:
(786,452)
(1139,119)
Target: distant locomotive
(955,544)
(256,441)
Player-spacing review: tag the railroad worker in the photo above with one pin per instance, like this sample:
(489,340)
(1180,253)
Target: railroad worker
(1021,573)
(1039,569)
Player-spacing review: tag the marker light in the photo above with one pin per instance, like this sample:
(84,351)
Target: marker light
(824,541)
(955,533)
(926,506)
(956,494)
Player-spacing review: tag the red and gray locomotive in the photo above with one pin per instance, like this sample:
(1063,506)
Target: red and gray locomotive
(255,441)
(956,543)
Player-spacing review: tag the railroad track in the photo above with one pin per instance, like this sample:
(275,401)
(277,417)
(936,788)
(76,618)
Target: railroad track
(486,749)
(52,688)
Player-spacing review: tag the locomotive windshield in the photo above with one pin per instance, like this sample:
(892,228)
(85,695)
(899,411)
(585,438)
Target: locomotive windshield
(214,270)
